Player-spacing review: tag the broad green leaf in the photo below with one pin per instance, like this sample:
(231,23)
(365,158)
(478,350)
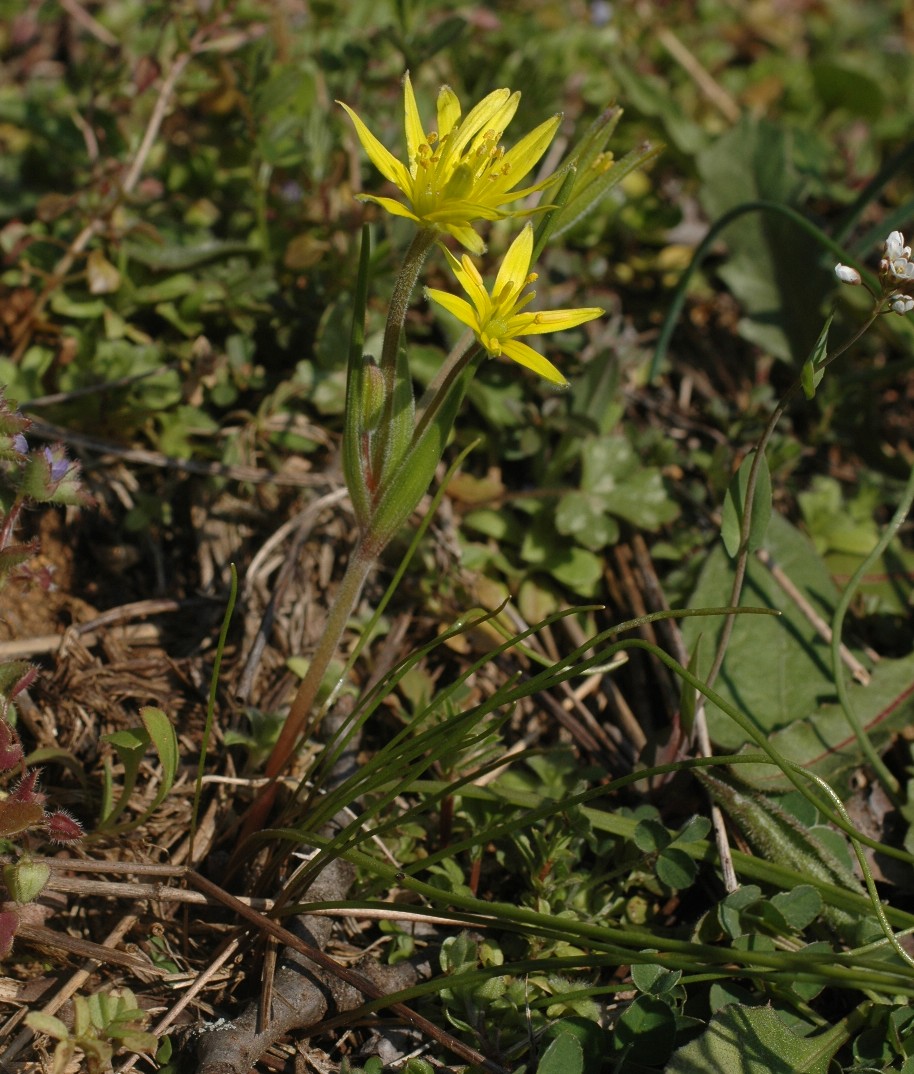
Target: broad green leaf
(165,740)
(26,879)
(579,569)
(172,287)
(589,1034)
(808,990)
(774,267)
(563,1056)
(731,908)
(646,1029)
(777,669)
(735,506)
(843,84)
(582,517)
(752,1040)
(48,1024)
(676,869)
(613,482)
(651,836)
(799,907)
(648,977)
(174,258)
(65,306)
(838,523)
(131,746)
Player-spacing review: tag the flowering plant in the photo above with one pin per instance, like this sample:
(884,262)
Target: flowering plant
(452,178)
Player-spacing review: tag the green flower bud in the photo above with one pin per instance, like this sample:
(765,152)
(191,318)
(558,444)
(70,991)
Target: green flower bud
(374,394)
(25,880)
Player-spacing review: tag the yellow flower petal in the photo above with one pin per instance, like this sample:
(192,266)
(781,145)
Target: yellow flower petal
(448,111)
(468,276)
(516,266)
(415,134)
(467,237)
(455,210)
(499,105)
(558,320)
(460,309)
(386,163)
(527,356)
(393,207)
(517,162)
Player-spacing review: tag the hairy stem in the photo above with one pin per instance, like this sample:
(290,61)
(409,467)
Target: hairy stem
(296,725)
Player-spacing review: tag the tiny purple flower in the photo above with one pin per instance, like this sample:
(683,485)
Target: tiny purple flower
(59,466)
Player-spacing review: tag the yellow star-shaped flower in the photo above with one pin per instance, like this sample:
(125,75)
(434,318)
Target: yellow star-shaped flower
(496,318)
(460,172)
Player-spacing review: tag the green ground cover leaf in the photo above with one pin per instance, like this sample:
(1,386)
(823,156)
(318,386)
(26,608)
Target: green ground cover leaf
(752,1040)
(563,1056)
(777,670)
(773,267)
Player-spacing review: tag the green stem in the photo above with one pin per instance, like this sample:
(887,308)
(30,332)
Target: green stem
(888,781)
(365,553)
(363,559)
(395,427)
(418,250)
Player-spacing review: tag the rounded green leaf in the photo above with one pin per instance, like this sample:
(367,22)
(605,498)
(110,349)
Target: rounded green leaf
(563,1056)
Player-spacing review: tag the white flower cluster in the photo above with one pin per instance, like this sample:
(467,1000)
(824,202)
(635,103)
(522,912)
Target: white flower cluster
(896,270)
(897,261)
(896,274)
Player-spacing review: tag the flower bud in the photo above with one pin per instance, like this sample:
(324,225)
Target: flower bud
(25,880)
(846,274)
(62,828)
(901,304)
(375,394)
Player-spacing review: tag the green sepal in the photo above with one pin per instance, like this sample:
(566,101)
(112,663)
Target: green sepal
(814,367)
(406,483)
(397,422)
(547,223)
(355,435)
(598,173)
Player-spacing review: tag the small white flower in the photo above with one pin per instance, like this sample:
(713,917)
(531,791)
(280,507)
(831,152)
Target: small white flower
(897,261)
(846,274)
(901,303)
(895,247)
